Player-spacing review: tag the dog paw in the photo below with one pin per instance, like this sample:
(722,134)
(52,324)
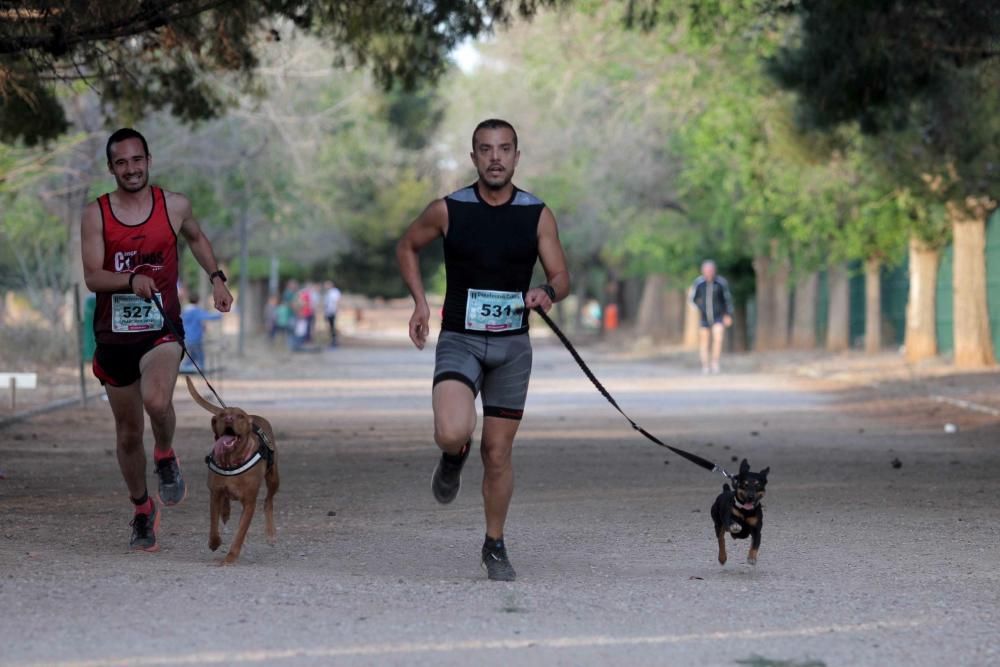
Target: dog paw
(214,542)
(228,560)
(735,528)
(722,559)
(751,560)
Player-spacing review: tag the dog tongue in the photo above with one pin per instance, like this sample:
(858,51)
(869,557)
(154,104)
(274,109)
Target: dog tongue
(225,441)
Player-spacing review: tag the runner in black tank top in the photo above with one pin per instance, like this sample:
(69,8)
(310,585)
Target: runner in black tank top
(493,235)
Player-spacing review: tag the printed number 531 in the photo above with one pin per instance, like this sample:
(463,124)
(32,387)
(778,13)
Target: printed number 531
(495,310)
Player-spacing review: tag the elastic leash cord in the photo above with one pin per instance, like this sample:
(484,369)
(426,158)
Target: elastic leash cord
(180,339)
(693,458)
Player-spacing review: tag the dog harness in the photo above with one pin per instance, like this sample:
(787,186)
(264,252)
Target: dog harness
(263,453)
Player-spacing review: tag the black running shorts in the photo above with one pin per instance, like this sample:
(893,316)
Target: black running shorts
(497,366)
(118,364)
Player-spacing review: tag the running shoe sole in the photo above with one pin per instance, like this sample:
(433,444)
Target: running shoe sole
(156,531)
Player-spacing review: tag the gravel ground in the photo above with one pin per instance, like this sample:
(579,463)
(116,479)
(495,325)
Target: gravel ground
(862,563)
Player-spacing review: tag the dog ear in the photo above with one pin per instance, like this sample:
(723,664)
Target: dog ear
(744,467)
(763,473)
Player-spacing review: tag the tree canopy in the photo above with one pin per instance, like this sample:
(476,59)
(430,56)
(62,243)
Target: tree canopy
(143,55)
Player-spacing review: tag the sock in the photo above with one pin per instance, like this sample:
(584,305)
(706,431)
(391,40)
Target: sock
(458,458)
(160,456)
(493,543)
(143,505)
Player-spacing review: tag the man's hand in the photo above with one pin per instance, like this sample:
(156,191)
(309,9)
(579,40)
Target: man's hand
(536,297)
(143,285)
(223,299)
(727,321)
(419,324)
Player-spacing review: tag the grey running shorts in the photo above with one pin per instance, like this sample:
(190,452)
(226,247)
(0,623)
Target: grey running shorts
(498,366)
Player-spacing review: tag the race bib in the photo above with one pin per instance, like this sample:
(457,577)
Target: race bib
(486,310)
(133,314)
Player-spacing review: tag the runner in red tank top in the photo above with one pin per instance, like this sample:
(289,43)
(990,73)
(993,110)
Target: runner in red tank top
(129,240)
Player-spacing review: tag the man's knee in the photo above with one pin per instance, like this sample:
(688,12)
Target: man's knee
(451,434)
(158,405)
(128,436)
(496,457)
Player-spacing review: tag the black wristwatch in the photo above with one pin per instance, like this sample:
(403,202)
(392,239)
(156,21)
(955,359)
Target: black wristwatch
(217,274)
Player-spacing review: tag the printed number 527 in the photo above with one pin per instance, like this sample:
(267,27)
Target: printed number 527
(136,311)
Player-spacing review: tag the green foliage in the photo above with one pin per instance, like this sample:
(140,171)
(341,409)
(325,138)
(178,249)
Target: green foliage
(161,54)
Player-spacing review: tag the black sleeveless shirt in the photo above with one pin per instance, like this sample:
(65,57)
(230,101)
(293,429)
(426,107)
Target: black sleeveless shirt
(488,248)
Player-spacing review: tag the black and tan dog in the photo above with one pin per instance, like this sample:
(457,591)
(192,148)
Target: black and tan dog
(738,512)
(242,459)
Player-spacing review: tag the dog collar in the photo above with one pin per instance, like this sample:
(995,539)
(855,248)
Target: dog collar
(263,445)
(231,472)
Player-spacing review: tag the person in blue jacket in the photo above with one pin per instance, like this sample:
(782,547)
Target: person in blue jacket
(194,318)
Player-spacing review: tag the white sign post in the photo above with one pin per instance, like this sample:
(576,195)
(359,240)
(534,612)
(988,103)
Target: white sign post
(15,381)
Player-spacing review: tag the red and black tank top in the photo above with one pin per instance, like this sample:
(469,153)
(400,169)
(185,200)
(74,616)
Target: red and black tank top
(148,248)
(489,256)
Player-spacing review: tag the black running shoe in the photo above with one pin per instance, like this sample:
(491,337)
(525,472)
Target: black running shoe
(447,478)
(495,562)
(144,529)
(172,488)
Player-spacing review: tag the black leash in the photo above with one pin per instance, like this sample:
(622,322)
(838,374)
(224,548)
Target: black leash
(180,339)
(693,458)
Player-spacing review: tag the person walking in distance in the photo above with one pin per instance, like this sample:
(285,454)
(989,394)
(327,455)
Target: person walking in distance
(493,233)
(710,295)
(129,242)
(331,301)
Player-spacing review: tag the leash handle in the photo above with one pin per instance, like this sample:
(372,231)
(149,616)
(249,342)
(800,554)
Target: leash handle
(693,458)
(180,339)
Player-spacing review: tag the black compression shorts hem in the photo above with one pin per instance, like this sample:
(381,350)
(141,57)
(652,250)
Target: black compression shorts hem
(503,413)
(453,375)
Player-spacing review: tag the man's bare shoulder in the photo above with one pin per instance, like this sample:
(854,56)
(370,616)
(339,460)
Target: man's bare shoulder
(178,205)
(91,212)
(436,213)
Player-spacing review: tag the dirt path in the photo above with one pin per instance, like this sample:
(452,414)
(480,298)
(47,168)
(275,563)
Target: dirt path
(862,563)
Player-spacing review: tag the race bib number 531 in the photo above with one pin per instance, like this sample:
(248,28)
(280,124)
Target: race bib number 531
(487,310)
(133,314)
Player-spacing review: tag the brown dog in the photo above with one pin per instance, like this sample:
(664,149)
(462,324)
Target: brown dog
(243,457)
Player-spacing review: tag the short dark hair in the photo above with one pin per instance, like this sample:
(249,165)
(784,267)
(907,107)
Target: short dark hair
(493,124)
(123,134)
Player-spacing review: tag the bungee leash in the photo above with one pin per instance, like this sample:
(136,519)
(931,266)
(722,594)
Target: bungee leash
(180,339)
(693,458)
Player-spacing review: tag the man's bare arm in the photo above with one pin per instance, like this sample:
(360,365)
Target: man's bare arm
(429,225)
(550,252)
(201,247)
(97,278)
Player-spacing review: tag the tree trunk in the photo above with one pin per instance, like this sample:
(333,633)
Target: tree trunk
(771,275)
(781,270)
(764,290)
(804,322)
(838,331)
(973,343)
(738,332)
(921,326)
(692,322)
(873,306)
(660,311)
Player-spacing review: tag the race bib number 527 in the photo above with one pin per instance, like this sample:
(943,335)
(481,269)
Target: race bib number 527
(488,310)
(133,314)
